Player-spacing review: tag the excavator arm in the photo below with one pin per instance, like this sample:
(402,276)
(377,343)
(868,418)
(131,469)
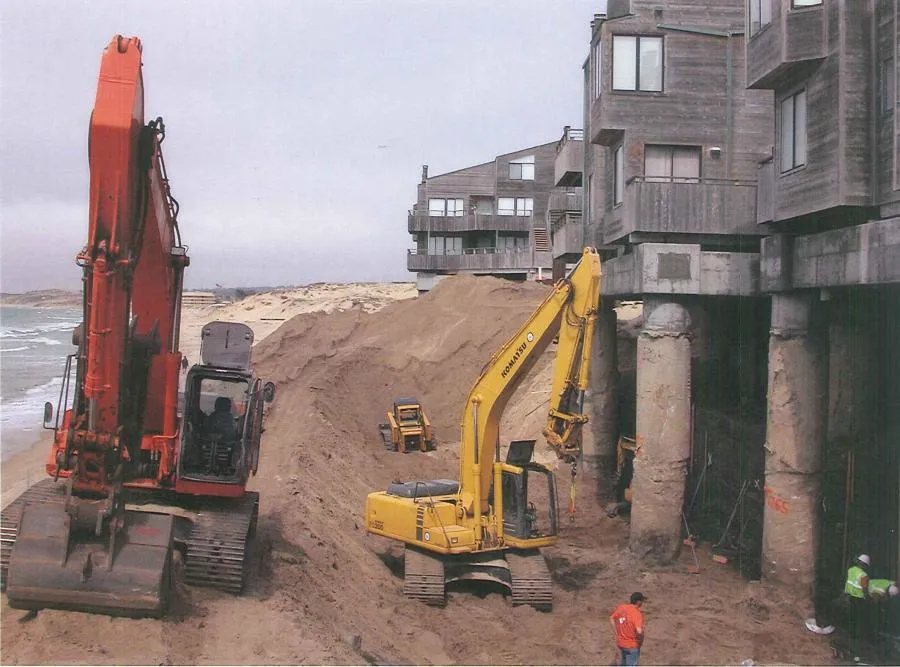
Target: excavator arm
(568,312)
(88,552)
(133,265)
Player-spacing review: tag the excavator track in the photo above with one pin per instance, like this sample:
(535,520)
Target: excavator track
(530,579)
(216,543)
(43,492)
(385,431)
(217,546)
(423,577)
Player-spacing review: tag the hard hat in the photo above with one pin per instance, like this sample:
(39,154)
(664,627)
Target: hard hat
(893,590)
(864,558)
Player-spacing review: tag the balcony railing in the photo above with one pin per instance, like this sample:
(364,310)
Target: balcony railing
(568,237)
(569,134)
(563,202)
(569,162)
(696,206)
(565,220)
(420,221)
(765,192)
(479,259)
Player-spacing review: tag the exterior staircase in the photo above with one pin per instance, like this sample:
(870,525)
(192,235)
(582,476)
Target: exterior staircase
(541,239)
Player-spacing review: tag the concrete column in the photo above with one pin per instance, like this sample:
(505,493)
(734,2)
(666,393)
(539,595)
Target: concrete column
(600,441)
(663,430)
(794,433)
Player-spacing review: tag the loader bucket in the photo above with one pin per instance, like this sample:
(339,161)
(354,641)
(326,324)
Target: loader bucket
(53,568)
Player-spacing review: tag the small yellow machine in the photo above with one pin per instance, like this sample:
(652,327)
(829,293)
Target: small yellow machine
(491,524)
(407,428)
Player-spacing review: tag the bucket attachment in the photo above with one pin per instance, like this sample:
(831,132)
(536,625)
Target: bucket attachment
(56,565)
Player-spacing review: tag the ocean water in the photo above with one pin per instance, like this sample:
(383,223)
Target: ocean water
(34,343)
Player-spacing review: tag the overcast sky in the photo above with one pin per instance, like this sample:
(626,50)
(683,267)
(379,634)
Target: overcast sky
(296,131)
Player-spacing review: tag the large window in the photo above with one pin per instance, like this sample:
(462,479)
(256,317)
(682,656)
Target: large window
(444,245)
(637,63)
(452,208)
(619,176)
(597,69)
(671,163)
(760,15)
(888,86)
(793,131)
(509,243)
(522,169)
(515,206)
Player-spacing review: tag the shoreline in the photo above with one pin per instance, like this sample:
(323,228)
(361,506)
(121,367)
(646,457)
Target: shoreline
(22,469)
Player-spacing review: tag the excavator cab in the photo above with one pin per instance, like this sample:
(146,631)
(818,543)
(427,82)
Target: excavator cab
(223,408)
(529,495)
(214,420)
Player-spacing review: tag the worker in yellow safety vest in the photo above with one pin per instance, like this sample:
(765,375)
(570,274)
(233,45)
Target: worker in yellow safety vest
(881,588)
(883,594)
(856,589)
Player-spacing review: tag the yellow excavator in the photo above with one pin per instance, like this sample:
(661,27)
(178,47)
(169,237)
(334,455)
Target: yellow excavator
(488,526)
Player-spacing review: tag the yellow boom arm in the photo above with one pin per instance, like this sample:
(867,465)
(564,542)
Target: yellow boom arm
(569,311)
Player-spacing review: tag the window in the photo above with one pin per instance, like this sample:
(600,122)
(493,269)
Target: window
(760,15)
(598,69)
(444,245)
(507,243)
(445,207)
(671,163)
(619,176)
(793,131)
(888,92)
(804,3)
(522,169)
(515,206)
(637,63)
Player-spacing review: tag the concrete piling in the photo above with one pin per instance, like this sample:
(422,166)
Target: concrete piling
(795,429)
(604,387)
(663,430)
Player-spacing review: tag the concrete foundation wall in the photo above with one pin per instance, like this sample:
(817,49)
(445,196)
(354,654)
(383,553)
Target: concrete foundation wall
(861,255)
(681,268)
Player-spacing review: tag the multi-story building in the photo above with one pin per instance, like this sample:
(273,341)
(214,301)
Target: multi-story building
(681,135)
(742,176)
(829,198)
(489,219)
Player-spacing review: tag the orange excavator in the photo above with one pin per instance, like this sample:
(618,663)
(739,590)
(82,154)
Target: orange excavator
(139,477)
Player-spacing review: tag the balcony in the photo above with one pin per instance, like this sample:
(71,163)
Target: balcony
(486,260)
(702,206)
(569,164)
(420,221)
(788,48)
(563,203)
(568,236)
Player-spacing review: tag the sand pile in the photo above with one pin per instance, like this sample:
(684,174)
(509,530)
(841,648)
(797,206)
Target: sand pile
(325,592)
(266,311)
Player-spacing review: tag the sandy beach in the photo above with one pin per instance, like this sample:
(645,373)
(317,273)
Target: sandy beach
(264,312)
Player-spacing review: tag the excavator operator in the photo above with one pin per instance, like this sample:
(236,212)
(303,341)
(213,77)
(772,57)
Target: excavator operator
(220,422)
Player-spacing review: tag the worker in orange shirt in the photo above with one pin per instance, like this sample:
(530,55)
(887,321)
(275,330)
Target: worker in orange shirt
(628,623)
